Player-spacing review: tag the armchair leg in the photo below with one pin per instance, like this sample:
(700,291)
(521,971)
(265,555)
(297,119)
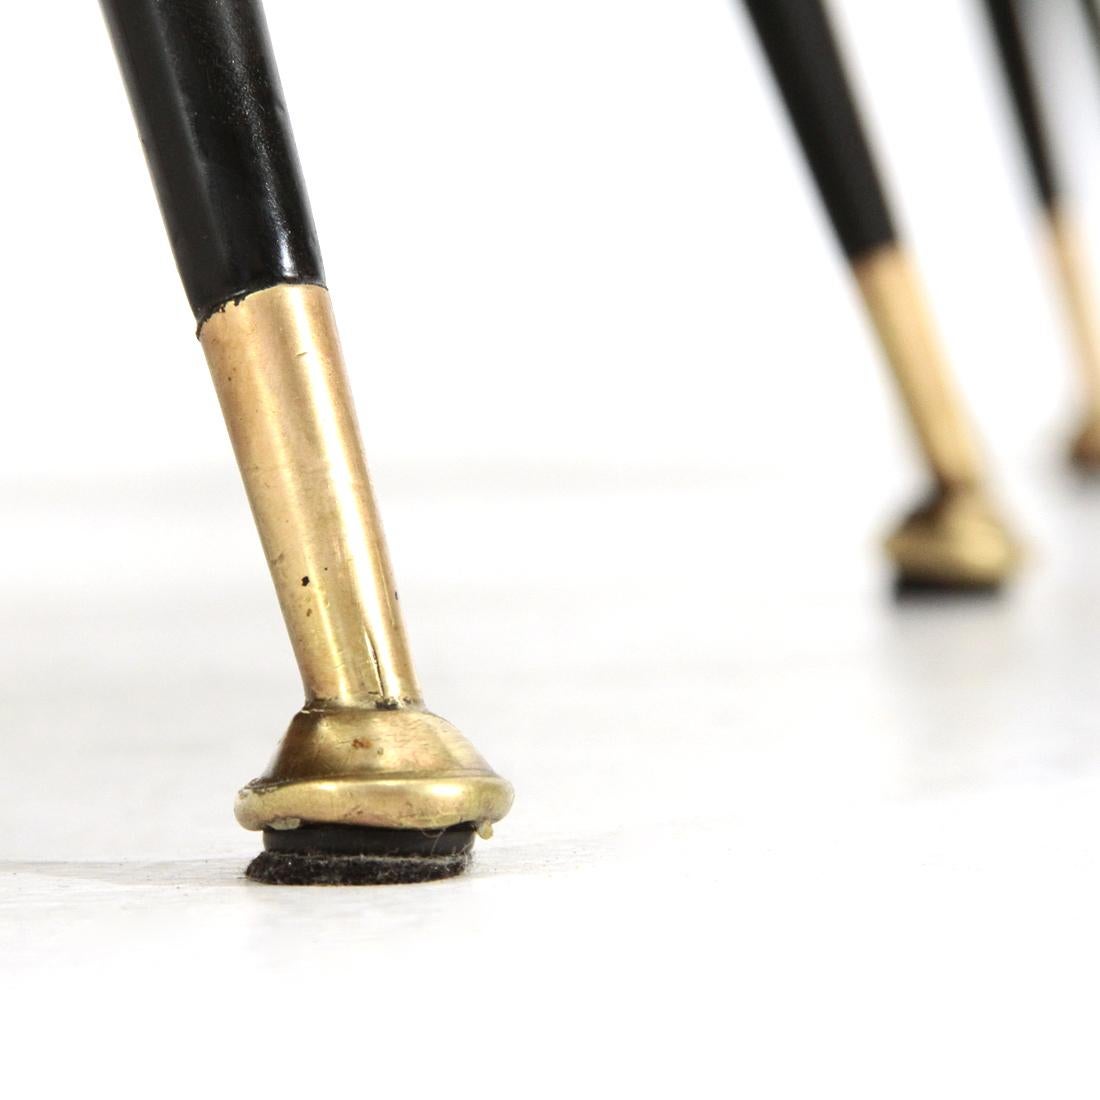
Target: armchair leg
(367,785)
(955,539)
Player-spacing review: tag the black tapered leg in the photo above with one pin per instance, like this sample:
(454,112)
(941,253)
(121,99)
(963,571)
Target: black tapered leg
(367,785)
(1008,27)
(214,124)
(955,539)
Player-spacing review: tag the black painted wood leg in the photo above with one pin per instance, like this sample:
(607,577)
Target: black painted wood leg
(955,540)
(1075,278)
(367,785)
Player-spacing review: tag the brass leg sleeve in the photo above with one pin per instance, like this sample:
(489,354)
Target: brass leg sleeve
(1080,304)
(363,751)
(895,300)
(279,374)
(1080,301)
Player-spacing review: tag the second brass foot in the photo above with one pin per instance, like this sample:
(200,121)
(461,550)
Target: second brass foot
(1085,450)
(955,542)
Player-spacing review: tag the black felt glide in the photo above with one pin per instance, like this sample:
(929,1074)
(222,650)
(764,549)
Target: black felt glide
(349,855)
(1005,20)
(808,69)
(928,590)
(205,92)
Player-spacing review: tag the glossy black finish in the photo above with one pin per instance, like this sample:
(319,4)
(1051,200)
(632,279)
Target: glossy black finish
(808,68)
(205,92)
(1004,18)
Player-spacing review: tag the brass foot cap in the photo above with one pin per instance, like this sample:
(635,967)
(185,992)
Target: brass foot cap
(1084,452)
(955,542)
(377,768)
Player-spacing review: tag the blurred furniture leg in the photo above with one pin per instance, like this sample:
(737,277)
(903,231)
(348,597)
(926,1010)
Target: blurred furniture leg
(367,785)
(1073,270)
(1092,19)
(955,539)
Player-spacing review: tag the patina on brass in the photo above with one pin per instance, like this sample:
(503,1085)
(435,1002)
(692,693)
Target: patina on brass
(956,536)
(1073,271)
(363,750)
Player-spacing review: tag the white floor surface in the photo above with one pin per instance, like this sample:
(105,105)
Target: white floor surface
(773,836)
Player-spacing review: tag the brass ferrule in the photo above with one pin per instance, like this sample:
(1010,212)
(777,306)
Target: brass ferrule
(1080,302)
(955,538)
(277,366)
(892,292)
(363,751)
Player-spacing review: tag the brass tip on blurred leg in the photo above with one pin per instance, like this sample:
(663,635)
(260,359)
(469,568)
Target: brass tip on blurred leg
(1084,451)
(367,785)
(1073,271)
(956,539)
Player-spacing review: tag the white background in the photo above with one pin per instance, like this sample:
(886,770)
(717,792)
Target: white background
(773,836)
(568,232)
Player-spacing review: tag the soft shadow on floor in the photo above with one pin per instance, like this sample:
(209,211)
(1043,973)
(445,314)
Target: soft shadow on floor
(539,858)
(171,872)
